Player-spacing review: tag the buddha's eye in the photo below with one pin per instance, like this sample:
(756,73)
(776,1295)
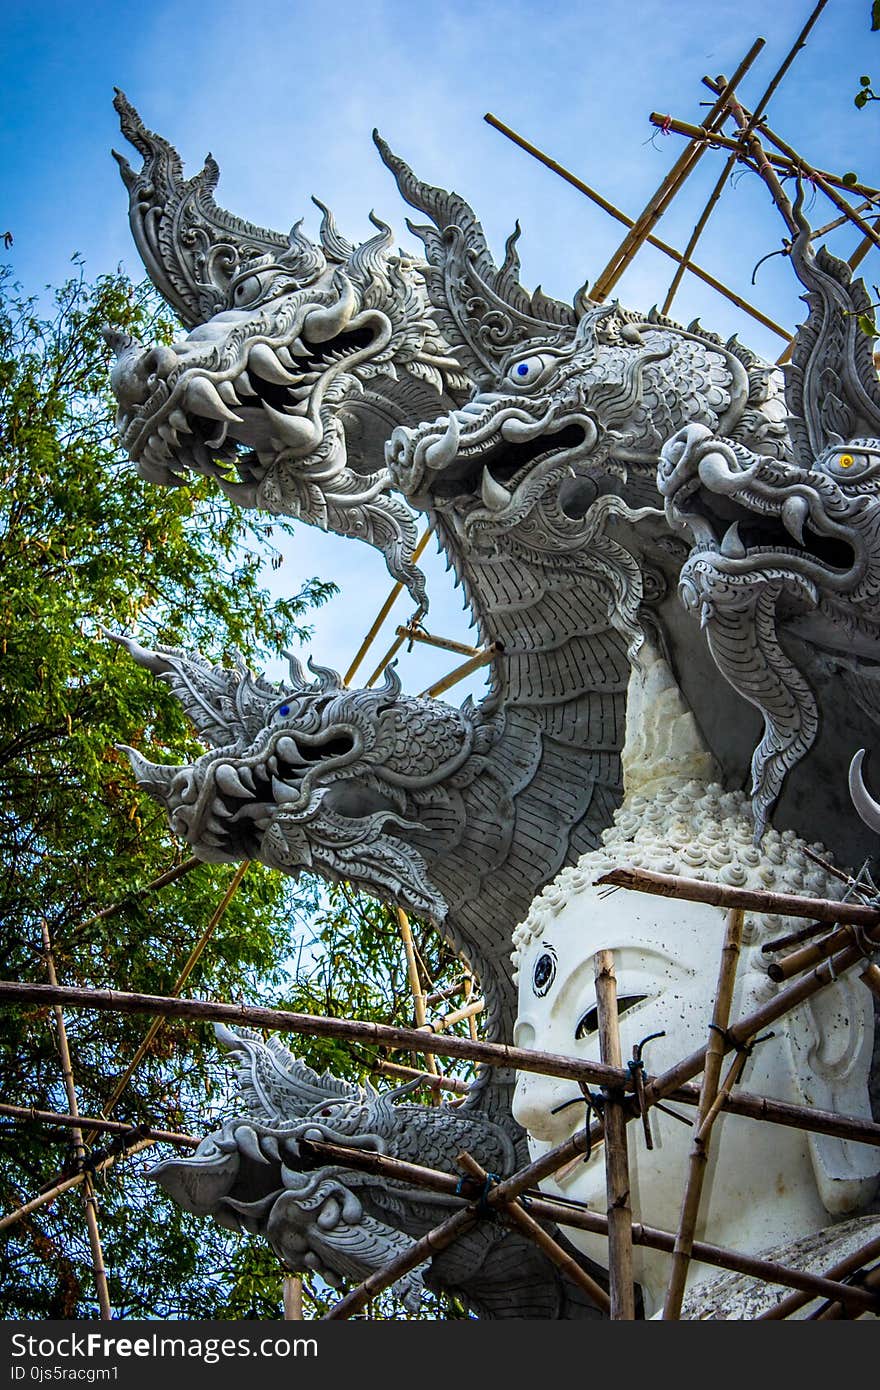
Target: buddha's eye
(590,1021)
(544,972)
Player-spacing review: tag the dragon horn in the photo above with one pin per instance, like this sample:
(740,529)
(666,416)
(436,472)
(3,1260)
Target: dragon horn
(867,807)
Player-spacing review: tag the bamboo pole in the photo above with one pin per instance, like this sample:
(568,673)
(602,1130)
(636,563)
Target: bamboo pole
(65,1185)
(386,661)
(430,1244)
(446,644)
(706,1112)
(612,211)
(435,1082)
(415,983)
(565,1212)
(468,992)
(619,1207)
(695,235)
(169,876)
(383,614)
(467,1011)
(519,1217)
(91,1206)
(135,1131)
(869,1281)
(670,185)
(794,938)
(749,899)
(871,977)
(467,668)
(292,1293)
(672,1085)
(194,958)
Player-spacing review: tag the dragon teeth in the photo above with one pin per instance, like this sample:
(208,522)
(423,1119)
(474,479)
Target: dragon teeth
(495,496)
(732,547)
(229,782)
(178,420)
(202,399)
(283,793)
(266,364)
(795,511)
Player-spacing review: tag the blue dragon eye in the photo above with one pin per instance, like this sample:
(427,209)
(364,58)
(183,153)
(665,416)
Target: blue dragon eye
(522,369)
(285,709)
(527,371)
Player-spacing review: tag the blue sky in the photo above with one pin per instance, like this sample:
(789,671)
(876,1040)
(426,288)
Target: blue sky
(285,96)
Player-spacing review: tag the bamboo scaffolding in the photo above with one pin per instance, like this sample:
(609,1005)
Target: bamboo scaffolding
(564,1212)
(467,1011)
(415,984)
(724,290)
(91,1206)
(672,1085)
(695,235)
(100,1126)
(706,1112)
(519,1217)
(670,185)
(869,1280)
(460,673)
(396,591)
(871,977)
(619,1208)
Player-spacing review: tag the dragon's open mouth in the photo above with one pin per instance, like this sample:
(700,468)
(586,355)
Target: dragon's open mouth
(204,423)
(506,461)
(721,525)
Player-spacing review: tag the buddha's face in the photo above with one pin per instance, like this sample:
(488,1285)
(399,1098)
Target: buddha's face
(666,955)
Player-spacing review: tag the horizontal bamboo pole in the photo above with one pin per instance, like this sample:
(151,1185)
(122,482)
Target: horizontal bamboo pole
(395,593)
(446,1045)
(750,899)
(101,1126)
(439,1025)
(606,206)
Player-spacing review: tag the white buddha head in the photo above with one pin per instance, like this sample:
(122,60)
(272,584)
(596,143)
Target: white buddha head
(764,1184)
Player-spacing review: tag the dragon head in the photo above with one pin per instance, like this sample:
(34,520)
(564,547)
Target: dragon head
(360,785)
(269,392)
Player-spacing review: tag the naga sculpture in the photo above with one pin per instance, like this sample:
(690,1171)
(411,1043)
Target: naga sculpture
(785,568)
(344,1224)
(542,489)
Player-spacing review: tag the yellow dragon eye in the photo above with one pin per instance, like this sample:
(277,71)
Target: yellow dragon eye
(846,460)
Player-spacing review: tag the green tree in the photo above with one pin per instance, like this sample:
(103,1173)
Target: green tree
(85,548)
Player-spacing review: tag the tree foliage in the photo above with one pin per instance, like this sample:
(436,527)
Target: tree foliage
(87,548)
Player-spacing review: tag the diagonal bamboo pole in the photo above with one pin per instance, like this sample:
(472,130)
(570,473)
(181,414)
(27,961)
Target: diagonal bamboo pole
(395,593)
(91,1206)
(169,876)
(518,1216)
(699,1155)
(194,958)
(842,1270)
(695,235)
(612,211)
(415,983)
(435,1082)
(660,200)
(44,1198)
(619,1208)
(459,673)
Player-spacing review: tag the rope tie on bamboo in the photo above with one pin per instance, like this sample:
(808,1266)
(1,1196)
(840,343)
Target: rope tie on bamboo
(484,1208)
(595,1104)
(638,1076)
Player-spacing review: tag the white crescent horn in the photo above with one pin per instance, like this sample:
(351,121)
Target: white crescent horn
(867,807)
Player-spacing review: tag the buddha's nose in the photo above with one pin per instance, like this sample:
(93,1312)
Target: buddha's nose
(535,1100)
